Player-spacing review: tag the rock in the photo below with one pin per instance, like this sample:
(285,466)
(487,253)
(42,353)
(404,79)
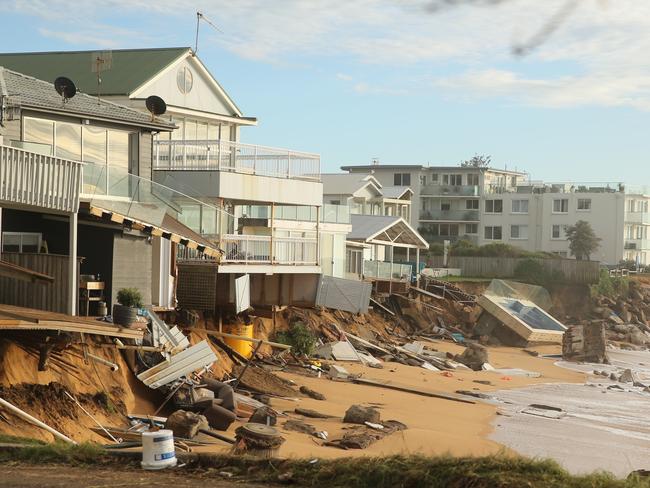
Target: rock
(186,424)
(626,377)
(299,426)
(306,412)
(358,414)
(311,393)
(474,356)
(613,377)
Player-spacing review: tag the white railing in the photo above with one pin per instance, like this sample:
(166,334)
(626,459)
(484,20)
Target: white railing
(30,178)
(256,249)
(382,270)
(232,156)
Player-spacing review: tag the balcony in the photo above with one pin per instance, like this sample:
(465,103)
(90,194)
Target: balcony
(450,191)
(449,216)
(382,270)
(239,172)
(637,217)
(637,244)
(38,180)
(258,249)
(331,214)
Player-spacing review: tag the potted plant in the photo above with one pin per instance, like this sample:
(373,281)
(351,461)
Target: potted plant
(125,311)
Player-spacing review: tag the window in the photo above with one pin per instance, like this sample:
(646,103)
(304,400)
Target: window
(40,134)
(584,204)
(68,141)
(518,232)
(471,204)
(520,206)
(455,180)
(445,206)
(21,242)
(423,180)
(493,233)
(445,179)
(558,231)
(335,202)
(494,206)
(402,179)
(561,205)
(472,179)
(471,228)
(434,177)
(449,229)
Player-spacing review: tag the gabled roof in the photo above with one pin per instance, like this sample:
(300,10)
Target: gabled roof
(385,230)
(131,67)
(347,184)
(40,95)
(396,191)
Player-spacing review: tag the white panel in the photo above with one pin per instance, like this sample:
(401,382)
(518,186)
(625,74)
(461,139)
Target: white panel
(242,293)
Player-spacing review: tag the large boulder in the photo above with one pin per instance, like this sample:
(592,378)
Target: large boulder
(474,356)
(358,414)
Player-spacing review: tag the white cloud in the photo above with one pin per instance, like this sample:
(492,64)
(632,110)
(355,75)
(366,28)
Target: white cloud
(595,57)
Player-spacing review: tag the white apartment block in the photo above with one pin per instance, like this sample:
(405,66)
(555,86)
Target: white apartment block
(485,205)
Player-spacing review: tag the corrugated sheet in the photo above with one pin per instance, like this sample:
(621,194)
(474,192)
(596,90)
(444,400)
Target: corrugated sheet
(341,294)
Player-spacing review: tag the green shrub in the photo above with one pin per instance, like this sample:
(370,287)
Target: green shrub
(299,337)
(129,297)
(610,287)
(533,271)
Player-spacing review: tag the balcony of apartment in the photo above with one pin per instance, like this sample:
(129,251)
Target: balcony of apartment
(637,217)
(449,216)
(241,172)
(537,187)
(329,213)
(33,180)
(450,191)
(637,244)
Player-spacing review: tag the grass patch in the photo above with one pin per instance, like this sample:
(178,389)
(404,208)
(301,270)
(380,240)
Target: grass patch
(419,471)
(13,439)
(468,279)
(56,452)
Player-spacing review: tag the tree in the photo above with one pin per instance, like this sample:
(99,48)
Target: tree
(477,161)
(582,240)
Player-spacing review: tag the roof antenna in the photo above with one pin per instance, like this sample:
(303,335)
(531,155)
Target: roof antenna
(199,18)
(100,61)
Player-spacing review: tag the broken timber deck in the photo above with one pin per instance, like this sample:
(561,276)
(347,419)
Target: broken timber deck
(19,318)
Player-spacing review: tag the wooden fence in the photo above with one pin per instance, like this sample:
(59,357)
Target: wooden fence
(583,272)
(53,297)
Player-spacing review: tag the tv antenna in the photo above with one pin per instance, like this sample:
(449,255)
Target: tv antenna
(200,17)
(100,61)
(65,87)
(155,105)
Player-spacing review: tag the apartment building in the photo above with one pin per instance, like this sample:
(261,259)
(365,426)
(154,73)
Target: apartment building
(485,205)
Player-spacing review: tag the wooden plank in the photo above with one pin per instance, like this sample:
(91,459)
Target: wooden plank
(410,389)
(249,339)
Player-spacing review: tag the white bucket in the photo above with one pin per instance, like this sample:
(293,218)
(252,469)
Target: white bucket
(158,450)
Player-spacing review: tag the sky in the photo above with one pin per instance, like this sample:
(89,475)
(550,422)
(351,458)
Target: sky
(557,88)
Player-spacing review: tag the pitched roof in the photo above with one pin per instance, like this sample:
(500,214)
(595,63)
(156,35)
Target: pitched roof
(346,183)
(383,229)
(41,95)
(395,191)
(130,67)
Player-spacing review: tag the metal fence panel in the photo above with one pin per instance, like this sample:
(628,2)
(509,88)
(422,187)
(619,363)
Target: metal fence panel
(339,293)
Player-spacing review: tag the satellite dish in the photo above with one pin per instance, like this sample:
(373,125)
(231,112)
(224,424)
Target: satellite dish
(155,105)
(65,87)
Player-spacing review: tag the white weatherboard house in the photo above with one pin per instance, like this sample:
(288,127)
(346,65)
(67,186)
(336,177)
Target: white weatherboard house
(203,158)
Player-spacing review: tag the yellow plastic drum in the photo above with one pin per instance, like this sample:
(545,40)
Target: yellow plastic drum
(245,348)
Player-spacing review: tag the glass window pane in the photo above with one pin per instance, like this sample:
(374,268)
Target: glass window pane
(225,132)
(41,132)
(94,144)
(68,141)
(118,148)
(190,130)
(202,132)
(177,134)
(213,132)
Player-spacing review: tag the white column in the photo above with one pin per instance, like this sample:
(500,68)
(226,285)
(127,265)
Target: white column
(408,253)
(417,267)
(390,283)
(72,265)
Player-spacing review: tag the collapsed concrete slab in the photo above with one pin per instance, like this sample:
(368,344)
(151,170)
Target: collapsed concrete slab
(585,343)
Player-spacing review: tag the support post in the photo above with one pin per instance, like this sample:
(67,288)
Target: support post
(417,267)
(272,231)
(408,253)
(317,236)
(72,265)
(390,282)
(0,231)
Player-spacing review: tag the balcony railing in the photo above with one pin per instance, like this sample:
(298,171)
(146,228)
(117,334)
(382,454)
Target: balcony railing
(533,187)
(637,244)
(450,215)
(114,189)
(382,270)
(334,214)
(236,157)
(256,249)
(450,190)
(29,178)
(637,217)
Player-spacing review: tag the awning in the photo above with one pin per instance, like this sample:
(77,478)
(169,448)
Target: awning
(169,228)
(385,230)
